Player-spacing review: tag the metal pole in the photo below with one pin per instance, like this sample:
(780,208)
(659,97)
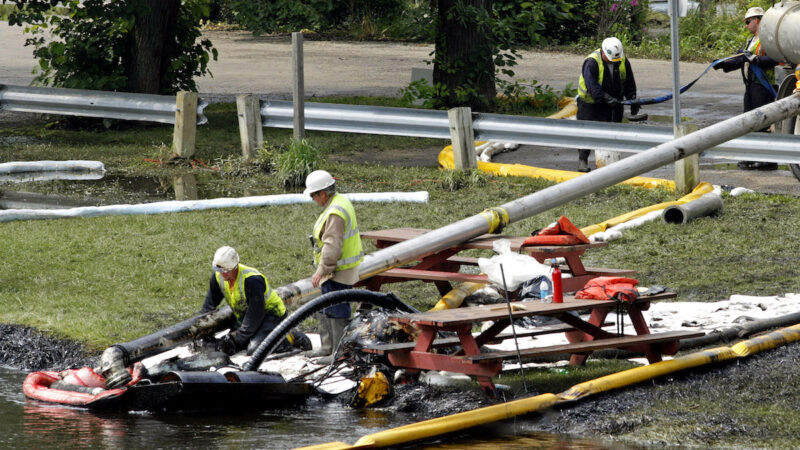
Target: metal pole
(676,82)
(522,208)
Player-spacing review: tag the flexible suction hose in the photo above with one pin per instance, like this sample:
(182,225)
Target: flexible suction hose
(388,301)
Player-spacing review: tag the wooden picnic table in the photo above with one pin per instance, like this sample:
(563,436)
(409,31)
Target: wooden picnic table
(584,336)
(443,267)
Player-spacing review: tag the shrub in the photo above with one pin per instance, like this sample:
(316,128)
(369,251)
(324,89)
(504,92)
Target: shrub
(293,164)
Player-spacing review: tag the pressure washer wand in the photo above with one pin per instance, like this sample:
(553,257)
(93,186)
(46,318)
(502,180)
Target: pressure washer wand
(513,330)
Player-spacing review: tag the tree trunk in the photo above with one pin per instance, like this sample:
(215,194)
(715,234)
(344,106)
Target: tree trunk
(464,57)
(149,53)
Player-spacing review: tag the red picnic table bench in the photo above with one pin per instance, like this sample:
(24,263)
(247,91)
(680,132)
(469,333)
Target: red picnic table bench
(443,267)
(584,336)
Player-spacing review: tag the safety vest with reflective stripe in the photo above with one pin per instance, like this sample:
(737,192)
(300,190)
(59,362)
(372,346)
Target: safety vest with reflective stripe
(583,93)
(351,245)
(237,299)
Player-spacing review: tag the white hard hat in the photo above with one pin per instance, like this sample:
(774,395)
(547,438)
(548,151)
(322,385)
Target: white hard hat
(317,181)
(755,11)
(612,47)
(225,259)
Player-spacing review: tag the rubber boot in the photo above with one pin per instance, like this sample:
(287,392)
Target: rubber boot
(337,327)
(299,340)
(583,160)
(326,341)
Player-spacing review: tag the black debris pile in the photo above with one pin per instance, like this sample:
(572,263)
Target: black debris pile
(26,349)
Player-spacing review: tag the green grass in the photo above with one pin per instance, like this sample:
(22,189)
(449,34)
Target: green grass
(101,280)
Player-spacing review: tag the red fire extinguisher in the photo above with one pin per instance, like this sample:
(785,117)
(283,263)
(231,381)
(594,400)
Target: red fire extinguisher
(558,293)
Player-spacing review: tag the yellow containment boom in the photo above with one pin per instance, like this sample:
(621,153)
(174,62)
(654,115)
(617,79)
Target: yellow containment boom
(699,191)
(461,421)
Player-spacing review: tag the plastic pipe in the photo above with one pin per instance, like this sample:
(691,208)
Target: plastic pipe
(704,206)
(51,166)
(493,220)
(198,205)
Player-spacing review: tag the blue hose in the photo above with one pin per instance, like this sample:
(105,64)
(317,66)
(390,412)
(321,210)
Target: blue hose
(651,101)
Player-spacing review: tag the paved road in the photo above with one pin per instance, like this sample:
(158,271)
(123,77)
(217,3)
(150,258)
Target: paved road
(262,65)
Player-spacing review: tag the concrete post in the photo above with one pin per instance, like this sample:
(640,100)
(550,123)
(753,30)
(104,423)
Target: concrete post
(463,138)
(687,170)
(183,138)
(298,90)
(248,109)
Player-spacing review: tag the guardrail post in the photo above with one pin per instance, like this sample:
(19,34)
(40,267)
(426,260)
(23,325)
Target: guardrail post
(248,109)
(298,89)
(687,170)
(462,137)
(183,138)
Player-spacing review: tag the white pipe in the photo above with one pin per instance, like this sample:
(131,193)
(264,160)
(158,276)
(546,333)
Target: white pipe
(51,166)
(197,205)
(27,177)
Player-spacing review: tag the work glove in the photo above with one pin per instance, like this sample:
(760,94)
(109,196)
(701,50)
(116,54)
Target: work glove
(227,344)
(635,107)
(610,99)
(749,56)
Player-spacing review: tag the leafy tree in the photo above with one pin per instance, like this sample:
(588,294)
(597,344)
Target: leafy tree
(270,16)
(146,46)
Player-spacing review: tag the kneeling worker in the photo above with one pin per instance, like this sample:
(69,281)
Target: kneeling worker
(256,314)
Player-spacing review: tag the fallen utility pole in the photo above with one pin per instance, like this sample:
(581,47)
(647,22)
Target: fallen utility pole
(492,220)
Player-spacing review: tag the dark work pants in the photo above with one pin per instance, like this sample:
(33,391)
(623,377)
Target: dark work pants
(339,311)
(269,324)
(598,112)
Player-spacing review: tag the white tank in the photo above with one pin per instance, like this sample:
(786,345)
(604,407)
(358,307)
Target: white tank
(780,32)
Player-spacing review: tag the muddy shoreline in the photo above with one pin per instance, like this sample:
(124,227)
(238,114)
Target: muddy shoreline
(700,407)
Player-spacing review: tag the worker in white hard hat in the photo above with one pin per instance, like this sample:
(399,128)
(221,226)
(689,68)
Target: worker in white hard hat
(337,254)
(606,80)
(757,74)
(257,308)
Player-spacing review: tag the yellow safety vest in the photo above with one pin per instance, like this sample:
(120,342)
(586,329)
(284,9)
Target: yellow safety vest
(236,298)
(754,47)
(583,93)
(352,254)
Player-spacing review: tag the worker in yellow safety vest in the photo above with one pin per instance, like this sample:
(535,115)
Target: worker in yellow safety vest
(337,254)
(257,308)
(606,79)
(757,75)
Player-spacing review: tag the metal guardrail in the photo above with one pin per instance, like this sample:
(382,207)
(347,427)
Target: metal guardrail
(87,103)
(620,137)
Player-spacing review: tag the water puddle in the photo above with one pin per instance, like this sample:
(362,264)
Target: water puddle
(58,190)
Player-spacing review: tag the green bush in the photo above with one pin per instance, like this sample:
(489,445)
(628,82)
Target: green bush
(271,16)
(293,164)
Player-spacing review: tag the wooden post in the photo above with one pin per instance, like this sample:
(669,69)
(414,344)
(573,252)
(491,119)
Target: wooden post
(462,138)
(248,109)
(185,187)
(183,137)
(687,170)
(298,92)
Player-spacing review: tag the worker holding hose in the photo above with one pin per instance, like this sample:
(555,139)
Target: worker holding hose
(337,254)
(257,308)
(606,78)
(757,74)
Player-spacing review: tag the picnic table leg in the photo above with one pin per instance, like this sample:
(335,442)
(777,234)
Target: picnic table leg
(653,351)
(597,318)
(470,347)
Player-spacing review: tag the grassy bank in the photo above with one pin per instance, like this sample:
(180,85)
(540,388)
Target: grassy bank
(108,279)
